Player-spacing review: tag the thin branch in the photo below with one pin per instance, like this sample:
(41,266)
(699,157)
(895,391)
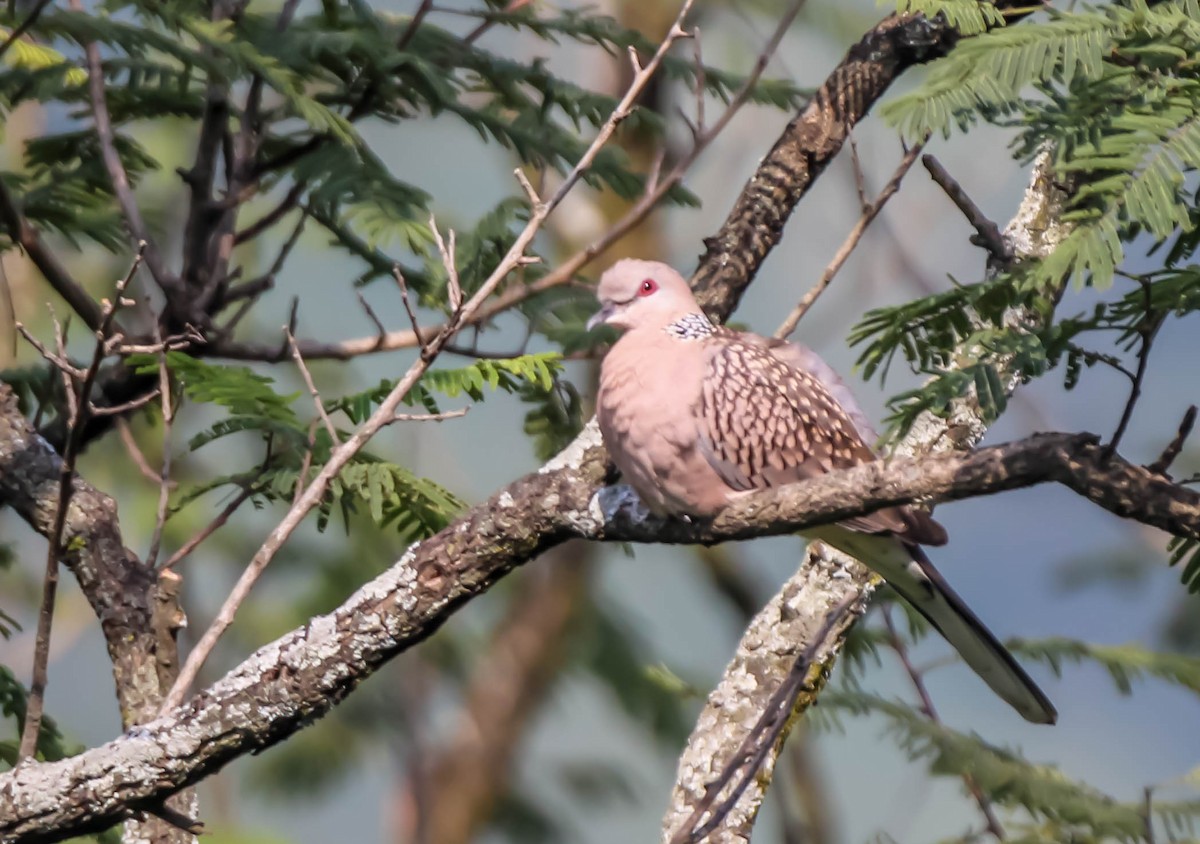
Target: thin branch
(270,218)
(312,388)
(125,407)
(116,171)
(431,417)
(1163,463)
(35,702)
(169,409)
(212,527)
(918,683)
(24,26)
(869,213)
(447,253)
(860,176)
(477,33)
(383,415)
(24,234)
(1148,330)
(135,453)
(414,24)
(305,463)
(987,233)
(57,361)
(408,307)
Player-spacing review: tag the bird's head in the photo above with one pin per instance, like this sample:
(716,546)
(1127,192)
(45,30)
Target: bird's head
(642,294)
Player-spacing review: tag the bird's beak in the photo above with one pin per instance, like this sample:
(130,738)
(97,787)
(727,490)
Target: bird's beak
(601,316)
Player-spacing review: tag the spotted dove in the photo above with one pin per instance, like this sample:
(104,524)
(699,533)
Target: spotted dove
(695,414)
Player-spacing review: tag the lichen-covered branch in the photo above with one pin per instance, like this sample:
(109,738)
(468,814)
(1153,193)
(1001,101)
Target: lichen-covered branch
(299,677)
(139,619)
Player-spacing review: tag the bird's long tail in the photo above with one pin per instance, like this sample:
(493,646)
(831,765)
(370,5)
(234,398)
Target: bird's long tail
(906,568)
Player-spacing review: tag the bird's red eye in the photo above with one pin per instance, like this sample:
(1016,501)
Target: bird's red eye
(647,287)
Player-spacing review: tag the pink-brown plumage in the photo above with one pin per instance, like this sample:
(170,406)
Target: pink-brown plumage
(695,415)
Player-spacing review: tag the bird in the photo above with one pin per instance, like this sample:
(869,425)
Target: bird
(696,415)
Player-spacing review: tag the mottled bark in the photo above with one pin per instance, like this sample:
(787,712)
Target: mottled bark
(137,608)
(808,144)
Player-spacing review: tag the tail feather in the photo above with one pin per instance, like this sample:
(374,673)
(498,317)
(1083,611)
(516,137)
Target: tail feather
(906,568)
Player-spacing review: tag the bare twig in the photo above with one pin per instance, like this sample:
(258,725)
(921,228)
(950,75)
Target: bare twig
(446,250)
(135,453)
(126,407)
(164,486)
(477,33)
(1147,330)
(750,754)
(212,527)
(35,702)
(383,415)
(116,170)
(44,258)
(431,417)
(270,218)
(414,24)
(987,233)
(312,387)
(23,26)
(918,683)
(408,307)
(305,463)
(860,177)
(1163,463)
(870,212)
(251,289)
(58,361)
(371,315)
(530,192)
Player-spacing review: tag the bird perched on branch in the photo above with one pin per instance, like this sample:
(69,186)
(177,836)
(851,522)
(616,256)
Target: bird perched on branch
(695,414)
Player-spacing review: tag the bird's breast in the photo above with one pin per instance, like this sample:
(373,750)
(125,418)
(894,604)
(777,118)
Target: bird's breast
(646,410)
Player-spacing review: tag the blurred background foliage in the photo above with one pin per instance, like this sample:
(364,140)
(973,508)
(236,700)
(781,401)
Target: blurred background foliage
(553,708)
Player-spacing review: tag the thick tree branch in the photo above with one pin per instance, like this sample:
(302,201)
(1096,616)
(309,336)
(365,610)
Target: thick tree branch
(26,236)
(137,613)
(299,677)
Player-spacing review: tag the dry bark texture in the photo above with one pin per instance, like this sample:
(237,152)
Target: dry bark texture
(137,607)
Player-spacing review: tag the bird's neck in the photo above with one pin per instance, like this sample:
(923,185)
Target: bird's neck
(690,326)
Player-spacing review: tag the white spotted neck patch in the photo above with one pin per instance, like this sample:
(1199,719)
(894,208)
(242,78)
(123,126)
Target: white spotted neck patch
(691,327)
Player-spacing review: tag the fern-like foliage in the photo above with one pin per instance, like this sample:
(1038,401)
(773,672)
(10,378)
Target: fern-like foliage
(392,495)
(1124,663)
(1114,92)
(1047,804)
(1119,105)
(1044,803)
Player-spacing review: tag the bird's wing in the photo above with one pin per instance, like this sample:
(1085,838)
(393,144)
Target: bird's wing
(764,421)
